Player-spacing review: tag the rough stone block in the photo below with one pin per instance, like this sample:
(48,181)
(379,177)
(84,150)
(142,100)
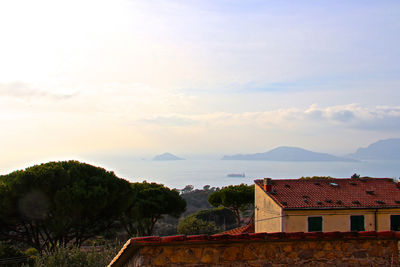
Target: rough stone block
(231,253)
(210,256)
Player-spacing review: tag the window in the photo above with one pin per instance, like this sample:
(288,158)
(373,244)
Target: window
(395,222)
(315,224)
(357,223)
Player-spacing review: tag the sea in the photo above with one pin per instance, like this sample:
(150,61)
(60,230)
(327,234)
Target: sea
(200,172)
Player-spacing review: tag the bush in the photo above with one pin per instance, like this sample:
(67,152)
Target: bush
(75,257)
(10,256)
(193,226)
(222,217)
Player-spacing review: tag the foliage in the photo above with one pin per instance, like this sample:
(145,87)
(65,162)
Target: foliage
(152,201)
(10,256)
(166,226)
(75,257)
(60,202)
(194,226)
(8,251)
(187,189)
(234,197)
(207,222)
(355,176)
(198,199)
(222,217)
(31,252)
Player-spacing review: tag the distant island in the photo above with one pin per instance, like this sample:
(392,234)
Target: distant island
(388,149)
(167,156)
(285,153)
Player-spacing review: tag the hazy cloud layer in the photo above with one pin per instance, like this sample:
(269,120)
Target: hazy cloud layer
(24,90)
(351,116)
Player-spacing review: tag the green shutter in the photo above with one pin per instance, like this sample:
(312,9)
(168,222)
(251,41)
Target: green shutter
(395,222)
(357,223)
(315,224)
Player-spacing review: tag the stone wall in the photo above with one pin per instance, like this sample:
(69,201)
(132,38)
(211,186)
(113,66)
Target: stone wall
(279,249)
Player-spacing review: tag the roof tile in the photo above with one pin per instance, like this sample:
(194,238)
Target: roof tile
(334,193)
(249,228)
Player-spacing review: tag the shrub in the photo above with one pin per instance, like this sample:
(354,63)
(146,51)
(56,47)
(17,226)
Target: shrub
(193,226)
(76,257)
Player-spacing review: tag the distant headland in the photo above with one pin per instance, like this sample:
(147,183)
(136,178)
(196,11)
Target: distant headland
(285,153)
(388,149)
(167,156)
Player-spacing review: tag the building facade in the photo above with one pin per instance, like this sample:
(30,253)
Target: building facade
(327,205)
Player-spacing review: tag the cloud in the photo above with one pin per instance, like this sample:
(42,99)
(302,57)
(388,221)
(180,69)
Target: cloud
(25,90)
(353,116)
(170,120)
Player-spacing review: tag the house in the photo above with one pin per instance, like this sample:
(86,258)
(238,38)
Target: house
(326,205)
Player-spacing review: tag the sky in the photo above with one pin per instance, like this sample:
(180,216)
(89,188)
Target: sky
(195,77)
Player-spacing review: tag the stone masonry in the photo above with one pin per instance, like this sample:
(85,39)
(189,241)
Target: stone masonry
(261,249)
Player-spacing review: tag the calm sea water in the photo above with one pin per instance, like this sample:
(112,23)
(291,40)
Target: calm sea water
(177,174)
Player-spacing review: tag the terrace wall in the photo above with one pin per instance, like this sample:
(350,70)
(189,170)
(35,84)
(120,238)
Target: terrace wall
(261,249)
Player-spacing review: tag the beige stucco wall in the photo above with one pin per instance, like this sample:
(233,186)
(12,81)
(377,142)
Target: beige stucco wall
(338,220)
(267,213)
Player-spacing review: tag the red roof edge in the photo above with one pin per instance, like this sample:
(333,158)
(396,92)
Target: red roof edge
(137,242)
(249,228)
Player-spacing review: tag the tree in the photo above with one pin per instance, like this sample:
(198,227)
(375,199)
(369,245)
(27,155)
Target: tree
(194,226)
(152,201)
(234,197)
(208,221)
(206,187)
(187,189)
(222,217)
(57,203)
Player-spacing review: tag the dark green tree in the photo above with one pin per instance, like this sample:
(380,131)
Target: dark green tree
(222,217)
(187,189)
(234,197)
(57,203)
(208,221)
(194,226)
(152,201)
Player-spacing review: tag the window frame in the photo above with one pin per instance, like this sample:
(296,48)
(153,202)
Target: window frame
(308,223)
(358,215)
(390,218)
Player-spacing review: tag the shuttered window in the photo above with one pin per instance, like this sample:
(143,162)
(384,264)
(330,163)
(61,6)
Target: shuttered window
(357,223)
(395,222)
(315,224)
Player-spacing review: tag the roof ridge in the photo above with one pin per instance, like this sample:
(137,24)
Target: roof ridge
(323,179)
(336,193)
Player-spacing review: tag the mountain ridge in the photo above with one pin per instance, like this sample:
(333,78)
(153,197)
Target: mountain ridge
(386,149)
(287,153)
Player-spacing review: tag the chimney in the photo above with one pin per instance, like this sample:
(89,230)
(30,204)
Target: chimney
(267,184)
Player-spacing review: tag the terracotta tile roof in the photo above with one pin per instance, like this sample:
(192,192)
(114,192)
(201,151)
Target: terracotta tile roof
(334,193)
(249,228)
(131,246)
